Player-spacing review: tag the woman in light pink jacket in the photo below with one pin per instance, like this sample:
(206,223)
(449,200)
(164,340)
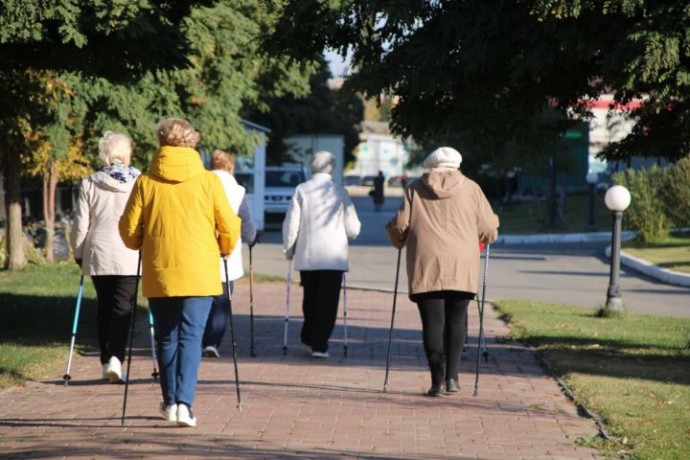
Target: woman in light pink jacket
(442,217)
(100,252)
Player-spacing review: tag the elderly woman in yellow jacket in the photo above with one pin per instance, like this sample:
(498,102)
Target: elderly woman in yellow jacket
(179,218)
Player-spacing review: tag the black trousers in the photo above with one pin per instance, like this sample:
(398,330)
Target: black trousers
(444,316)
(319,306)
(115,296)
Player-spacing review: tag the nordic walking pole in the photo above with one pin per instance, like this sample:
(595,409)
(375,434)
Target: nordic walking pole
(345,315)
(131,338)
(390,332)
(287,308)
(485,352)
(252,351)
(155,373)
(232,337)
(67,377)
(480,306)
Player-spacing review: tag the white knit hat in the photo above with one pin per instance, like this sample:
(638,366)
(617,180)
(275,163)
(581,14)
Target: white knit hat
(443,157)
(322,162)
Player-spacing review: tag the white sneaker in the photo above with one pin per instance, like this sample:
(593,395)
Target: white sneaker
(185,417)
(211,352)
(115,374)
(105,375)
(319,354)
(169,413)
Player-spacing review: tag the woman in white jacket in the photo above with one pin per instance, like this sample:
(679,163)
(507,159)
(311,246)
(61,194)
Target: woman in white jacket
(319,222)
(100,252)
(223,165)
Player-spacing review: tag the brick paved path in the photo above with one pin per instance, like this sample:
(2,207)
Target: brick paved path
(297,407)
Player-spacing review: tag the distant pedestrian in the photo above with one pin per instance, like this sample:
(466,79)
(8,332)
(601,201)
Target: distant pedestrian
(223,165)
(378,196)
(180,219)
(101,253)
(440,220)
(319,222)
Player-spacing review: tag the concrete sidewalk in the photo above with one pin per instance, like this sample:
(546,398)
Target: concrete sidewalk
(295,406)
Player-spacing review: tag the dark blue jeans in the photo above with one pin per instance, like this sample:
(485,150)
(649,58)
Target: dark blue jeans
(218,319)
(179,325)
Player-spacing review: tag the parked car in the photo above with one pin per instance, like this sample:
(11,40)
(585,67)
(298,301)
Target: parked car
(368,180)
(279,188)
(351,180)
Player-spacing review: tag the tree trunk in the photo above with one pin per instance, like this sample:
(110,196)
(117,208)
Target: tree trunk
(15,237)
(49,188)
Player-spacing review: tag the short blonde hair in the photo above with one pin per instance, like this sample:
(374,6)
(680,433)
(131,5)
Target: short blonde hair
(223,160)
(115,148)
(177,132)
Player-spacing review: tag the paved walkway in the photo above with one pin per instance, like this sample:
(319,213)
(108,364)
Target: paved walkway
(297,407)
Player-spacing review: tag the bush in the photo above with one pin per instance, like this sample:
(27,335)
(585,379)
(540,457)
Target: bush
(646,214)
(675,193)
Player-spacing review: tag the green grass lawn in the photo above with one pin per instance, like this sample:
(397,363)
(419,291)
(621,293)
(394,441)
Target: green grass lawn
(529,217)
(37,307)
(633,371)
(672,253)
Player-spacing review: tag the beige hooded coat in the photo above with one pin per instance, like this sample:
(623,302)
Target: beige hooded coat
(443,217)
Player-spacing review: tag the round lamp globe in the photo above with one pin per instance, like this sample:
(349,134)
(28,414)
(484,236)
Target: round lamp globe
(617,198)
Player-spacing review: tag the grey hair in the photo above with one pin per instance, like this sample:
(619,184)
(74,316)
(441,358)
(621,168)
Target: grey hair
(115,148)
(177,132)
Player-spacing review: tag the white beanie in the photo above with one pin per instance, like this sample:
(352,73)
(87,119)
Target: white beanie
(322,162)
(443,157)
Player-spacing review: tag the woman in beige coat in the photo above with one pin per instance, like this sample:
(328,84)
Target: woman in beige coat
(100,251)
(442,218)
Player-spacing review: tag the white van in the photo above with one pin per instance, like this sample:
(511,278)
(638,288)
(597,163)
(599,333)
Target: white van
(279,187)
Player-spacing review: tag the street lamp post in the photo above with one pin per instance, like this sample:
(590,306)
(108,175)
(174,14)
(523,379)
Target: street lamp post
(617,199)
(592,179)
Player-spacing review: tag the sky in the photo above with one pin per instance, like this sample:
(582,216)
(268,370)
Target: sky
(336,63)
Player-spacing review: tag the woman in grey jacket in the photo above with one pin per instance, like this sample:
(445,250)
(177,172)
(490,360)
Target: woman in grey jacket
(319,222)
(100,252)
(441,220)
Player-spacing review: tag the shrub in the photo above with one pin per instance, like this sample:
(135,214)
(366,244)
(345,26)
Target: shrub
(646,214)
(675,193)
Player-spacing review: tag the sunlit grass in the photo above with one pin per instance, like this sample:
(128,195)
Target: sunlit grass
(672,253)
(632,370)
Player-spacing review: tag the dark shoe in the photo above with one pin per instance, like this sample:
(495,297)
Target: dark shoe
(452,386)
(436,390)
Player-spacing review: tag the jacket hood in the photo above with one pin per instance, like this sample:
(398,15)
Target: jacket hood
(443,182)
(176,164)
(117,177)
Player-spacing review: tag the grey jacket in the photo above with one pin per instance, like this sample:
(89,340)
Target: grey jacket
(443,217)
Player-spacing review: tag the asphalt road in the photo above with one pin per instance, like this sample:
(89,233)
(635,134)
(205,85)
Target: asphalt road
(571,273)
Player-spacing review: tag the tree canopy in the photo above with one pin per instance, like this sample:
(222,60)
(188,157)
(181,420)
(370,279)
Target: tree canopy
(489,73)
(73,69)
(324,111)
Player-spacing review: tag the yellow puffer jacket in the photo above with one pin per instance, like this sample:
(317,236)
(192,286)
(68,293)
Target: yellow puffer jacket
(180,218)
